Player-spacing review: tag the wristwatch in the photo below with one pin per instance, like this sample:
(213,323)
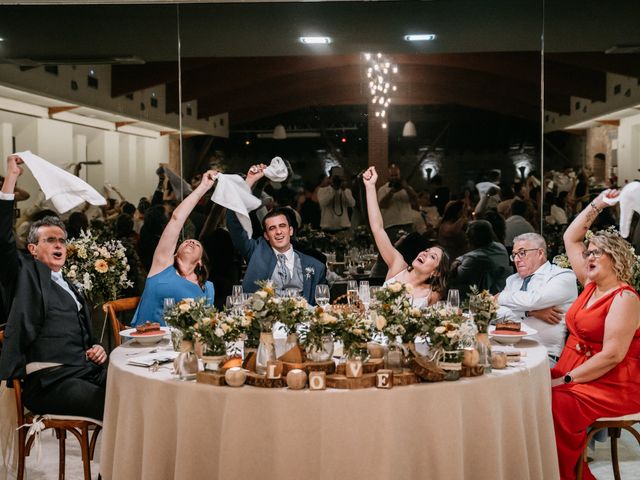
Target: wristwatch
(567,378)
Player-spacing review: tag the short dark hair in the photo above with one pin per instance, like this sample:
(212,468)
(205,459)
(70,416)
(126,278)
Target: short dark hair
(518,207)
(129,208)
(276,212)
(49,221)
(480,234)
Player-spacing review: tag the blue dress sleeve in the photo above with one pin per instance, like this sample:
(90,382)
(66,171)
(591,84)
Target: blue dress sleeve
(209,292)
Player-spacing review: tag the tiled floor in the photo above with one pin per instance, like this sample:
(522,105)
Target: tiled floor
(47,468)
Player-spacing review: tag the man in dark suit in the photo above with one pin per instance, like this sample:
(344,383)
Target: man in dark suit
(48,342)
(273,257)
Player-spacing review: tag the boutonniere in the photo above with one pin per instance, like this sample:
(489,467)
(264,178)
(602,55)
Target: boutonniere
(308,272)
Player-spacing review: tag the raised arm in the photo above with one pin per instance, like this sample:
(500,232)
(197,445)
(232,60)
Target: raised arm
(574,234)
(163,255)
(8,251)
(390,255)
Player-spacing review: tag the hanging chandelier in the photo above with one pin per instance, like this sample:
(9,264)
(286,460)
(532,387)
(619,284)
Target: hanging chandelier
(380,73)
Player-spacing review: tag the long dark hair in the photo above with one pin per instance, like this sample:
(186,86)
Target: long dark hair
(438,281)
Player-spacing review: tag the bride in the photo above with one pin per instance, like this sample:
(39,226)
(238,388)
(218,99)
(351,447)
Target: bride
(427,274)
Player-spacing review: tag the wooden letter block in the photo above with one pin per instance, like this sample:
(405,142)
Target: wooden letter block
(317,381)
(274,369)
(354,368)
(384,378)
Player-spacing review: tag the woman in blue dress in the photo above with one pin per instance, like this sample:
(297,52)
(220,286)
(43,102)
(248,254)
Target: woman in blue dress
(180,273)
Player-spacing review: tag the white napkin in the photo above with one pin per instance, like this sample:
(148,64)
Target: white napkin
(629,202)
(158,357)
(64,189)
(484,187)
(233,193)
(277,170)
(180,188)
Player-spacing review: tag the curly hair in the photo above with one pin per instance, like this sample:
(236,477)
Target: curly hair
(620,251)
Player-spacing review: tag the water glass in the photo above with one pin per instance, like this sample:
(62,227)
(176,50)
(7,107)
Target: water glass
(453,299)
(364,293)
(322,295)
(167,304)
(236,291)
(228,304)
(292,292)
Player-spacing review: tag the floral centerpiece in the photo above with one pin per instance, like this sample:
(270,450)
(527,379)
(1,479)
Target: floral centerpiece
(98,269)
(483,306)
(185,314)
(318,335)
(263,305)
(354,330)
(393,314)
(217,330)
(443,327)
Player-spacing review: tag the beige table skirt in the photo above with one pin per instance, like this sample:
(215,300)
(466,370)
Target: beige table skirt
(494,427)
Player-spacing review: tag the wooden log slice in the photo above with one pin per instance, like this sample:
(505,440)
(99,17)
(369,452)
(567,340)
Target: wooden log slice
(405,378)
(250,361)
(370,366)
(427,370)
(256,380)
(328,367)
(340,381)
(288,366)
(472,371)
(211,378)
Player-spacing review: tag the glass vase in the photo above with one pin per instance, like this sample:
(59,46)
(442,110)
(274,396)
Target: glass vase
(483,345)
(266,353)
(322,354)
(451,362)
(186,363)
(394,358)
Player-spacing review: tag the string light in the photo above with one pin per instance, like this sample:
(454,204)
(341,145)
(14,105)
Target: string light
(380,72)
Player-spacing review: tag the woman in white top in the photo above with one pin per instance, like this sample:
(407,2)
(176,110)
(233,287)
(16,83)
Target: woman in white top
(427,274)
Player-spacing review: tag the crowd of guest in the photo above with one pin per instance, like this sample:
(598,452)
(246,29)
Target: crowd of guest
(487,236)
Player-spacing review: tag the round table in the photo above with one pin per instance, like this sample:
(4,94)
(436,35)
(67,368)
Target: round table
(497,426)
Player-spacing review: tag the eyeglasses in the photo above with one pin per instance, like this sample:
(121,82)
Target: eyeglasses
(54,240)
(596,252)
(521,253)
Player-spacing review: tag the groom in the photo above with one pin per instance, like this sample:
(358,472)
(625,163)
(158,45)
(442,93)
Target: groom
(273,257)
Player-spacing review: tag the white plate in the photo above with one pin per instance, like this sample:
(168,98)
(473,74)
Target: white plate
(146,339)
(511,339)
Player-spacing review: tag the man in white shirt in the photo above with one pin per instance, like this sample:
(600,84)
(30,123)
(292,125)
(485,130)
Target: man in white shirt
(539,294)
(335,201)
(397,204)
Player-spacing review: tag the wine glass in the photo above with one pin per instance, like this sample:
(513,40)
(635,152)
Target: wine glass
(365,294)
(167,304)
(236,290)
(322,295)
(228,304)
(453,299)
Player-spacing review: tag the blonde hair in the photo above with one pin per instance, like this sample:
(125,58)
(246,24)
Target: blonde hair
(620,251)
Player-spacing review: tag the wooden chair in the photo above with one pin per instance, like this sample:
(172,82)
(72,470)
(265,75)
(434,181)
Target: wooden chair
(86,430)
(116,307)
(615,426)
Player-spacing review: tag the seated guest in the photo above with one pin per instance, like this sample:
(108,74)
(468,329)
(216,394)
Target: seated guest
(539,293)
(272,257)
(517,224)
(48,341)
(180,273)
(426,274)
(485,266)
(598,374)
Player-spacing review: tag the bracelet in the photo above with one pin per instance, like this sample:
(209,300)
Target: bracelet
(593,205)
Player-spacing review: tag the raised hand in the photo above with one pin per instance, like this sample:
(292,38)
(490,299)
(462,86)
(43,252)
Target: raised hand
(607,198)
(370,176)
(255,173)
(209,178)
(12,165)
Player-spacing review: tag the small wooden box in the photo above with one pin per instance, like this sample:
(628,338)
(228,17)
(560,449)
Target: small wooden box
(354,368)
(211,378)
(384,378)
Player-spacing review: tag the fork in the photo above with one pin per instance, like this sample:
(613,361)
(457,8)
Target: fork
(154,350)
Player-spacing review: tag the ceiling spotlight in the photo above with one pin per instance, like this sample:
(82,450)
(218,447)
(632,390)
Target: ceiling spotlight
(315,40)
(422,37)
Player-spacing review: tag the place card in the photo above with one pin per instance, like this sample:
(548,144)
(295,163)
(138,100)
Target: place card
(317,381)
(384,378)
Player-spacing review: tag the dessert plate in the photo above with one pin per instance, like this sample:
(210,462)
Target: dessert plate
(511,338)
(145,338)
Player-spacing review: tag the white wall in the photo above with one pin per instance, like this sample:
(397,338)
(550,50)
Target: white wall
(629,149)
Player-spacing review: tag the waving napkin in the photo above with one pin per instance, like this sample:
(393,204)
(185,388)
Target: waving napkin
(629,199)
(484,187)
(233,193)
(61,187)
(180,188)
(277,170)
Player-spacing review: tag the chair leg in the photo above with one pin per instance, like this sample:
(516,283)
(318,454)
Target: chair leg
(614,433)
(583,455)
(61,433)
(21,453)
(84,447)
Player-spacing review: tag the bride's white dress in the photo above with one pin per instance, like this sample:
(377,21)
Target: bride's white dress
(417,302)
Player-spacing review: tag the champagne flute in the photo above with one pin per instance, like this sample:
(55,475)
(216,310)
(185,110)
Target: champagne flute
(352,291)
(365,294)
(453,299)
(167,304)
(322,295)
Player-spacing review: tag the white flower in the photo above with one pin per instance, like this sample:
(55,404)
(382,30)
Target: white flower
(71,275)
(326,319)
(261,294)
(395,287)
(408,288)
(219,332)
(440,330)
(257,304)
(381,322)
(309,272)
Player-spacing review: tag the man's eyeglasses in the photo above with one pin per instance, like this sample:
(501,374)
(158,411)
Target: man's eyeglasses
(596,252)
(521,253)
(54,240)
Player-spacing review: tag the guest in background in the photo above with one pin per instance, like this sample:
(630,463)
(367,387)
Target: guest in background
(155,219)
(427,274)
(335,200)
(451,232)
(397,202)
(516,223)
(598,374)
(485,266)
(180,273)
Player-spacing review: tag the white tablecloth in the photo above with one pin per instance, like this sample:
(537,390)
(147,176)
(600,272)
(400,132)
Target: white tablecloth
(494,427)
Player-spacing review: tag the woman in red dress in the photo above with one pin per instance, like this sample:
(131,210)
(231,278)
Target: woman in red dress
(598,374)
